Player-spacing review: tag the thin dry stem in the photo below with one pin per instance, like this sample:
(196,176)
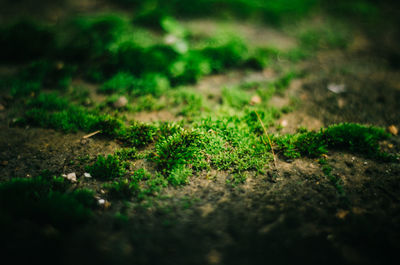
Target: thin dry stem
(269,139)
(91,134)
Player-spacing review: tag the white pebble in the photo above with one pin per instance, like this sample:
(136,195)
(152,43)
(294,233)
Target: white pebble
(71,177)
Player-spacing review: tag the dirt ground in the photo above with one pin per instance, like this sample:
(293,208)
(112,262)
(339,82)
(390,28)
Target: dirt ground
(291,215)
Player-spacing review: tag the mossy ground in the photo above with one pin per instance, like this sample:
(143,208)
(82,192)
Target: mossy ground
(230,146)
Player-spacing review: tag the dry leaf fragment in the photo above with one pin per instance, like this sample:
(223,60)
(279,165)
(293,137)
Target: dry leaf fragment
(393,129)
(341,214)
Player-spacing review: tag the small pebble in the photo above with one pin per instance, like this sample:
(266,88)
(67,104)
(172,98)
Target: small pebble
(120,102)
(71,177)
(101,201)
(337,88)
(284,123)
(87,175)
(255,100)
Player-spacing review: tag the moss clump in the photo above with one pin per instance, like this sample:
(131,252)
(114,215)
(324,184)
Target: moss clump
(106,168)
(48,102)
(52,111)
(127,154)
(120,83)
(179,175)
(90,38)
(178,149)
(190,103)
(138,134)
(139,61)
(189,68)
(154,84)
(123,188)
(41,74)
(355,138)
(231,144)
(226,54)
(235,97)
(345,136)
(139,185)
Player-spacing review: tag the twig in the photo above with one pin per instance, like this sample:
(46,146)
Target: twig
(91,134)
(269,139)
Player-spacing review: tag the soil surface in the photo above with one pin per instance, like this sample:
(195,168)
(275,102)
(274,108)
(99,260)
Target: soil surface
(290,215)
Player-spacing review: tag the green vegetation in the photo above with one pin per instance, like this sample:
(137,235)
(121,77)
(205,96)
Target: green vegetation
(44,201)
(138,134)
(126,83)
(335,180)
(149,57)
(127,154)
(109,167)
(177,149)
(190,102)
(139,185)
(346,136)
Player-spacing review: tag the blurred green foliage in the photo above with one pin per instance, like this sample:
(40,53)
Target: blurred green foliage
(44,201)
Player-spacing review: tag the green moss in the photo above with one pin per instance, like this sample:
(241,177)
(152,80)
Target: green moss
(262,57)
(283,82)
(355,138)
(48,102)
(151,16)
(190,102)
(127,154)
(189,68)
(154,84)
(138,134)
(91,37)
(139,61)
(151,83)
(24,88)
(147,103)
(120,83)
(225,54)
(336,181)
(235,97)
(122,189)
(138,186)
(44,201)
(177,149)
(39,75)
(346,136)
(51,111)
(230,144)
(179,175)
(105,168)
